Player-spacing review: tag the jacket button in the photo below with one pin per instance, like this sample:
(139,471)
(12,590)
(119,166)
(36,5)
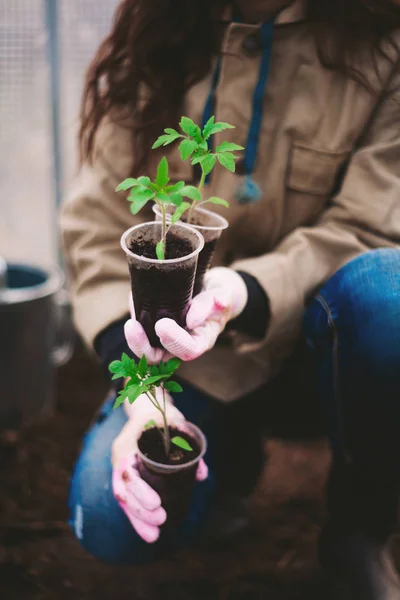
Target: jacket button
(252,45)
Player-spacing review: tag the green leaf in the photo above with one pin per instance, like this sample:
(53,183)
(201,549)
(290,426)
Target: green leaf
(228,147)
(116,376)
(160,141)
(138,204)
(162,368)
(220,201)
(216,128)
(140,194)
(228,161)
(207,127)
(189,191)
(153,380)
(115,366)
(127,366)
(208,164)
(176,199)
(127,185)
(150,424)
(200,158)
(143,367)
(164,140)
(188,126)
(162,178)
(173,386)
(162,197)
(125,359)
(173,365)
(134,380)
(186,148)
(124,370)
(179,212)
(119,400)
(160,250)
(129,363)
(181,443)
(172,132)
(154,370)
(144,181)
(133,392)
(176,187)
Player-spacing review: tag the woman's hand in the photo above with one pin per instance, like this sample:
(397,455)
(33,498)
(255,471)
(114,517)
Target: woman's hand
(139,501)
(223,298)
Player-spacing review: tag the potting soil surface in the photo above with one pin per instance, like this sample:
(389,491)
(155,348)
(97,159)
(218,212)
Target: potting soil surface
(41,560)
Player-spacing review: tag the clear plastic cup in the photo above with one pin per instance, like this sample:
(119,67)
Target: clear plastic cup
(174,483)
(210,225)
(161,288)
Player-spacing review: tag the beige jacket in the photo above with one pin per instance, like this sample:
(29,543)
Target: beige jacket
(322,132)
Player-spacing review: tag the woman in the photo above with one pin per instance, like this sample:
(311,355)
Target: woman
(313,90)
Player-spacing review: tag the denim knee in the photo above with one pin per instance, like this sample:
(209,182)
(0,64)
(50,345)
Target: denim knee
(98,522)
(361,302)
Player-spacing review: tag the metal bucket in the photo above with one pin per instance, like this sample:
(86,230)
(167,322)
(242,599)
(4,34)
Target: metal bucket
(34,338)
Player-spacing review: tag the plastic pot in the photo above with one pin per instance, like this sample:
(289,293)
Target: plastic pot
(174,483)
(161,288)
(210,225)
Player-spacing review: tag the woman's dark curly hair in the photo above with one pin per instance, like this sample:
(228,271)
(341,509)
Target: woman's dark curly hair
(166,46)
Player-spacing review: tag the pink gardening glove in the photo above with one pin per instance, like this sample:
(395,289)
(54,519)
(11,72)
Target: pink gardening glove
(223,298)
(141,504)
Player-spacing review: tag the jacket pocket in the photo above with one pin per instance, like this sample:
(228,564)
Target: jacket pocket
(315,172)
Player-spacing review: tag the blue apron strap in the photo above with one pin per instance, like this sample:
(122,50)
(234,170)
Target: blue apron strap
(209,108)
(258,100)
(248,191)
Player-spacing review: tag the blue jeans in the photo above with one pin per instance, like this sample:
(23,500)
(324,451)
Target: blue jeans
(353,330)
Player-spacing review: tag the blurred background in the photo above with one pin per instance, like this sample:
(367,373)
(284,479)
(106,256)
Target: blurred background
(45,47)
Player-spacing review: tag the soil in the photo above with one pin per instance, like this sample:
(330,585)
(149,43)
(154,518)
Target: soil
(41,560)
(152,446)
(175,489)
(160,291)
(175,248)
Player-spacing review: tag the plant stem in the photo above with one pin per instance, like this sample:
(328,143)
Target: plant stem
(153,400)
(200,188)
(164,228)
(166,438)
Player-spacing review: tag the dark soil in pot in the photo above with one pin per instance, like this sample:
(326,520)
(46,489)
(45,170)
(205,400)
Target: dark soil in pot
(175,488)
(161,290)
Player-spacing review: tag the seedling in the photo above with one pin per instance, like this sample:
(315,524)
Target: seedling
(144,379)
(169,198)
(195,146)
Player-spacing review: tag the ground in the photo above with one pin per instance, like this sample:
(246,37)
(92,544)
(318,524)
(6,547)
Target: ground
(41,560)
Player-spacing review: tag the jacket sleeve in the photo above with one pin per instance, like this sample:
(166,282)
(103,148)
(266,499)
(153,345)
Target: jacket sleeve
(365,214)
(93,219)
